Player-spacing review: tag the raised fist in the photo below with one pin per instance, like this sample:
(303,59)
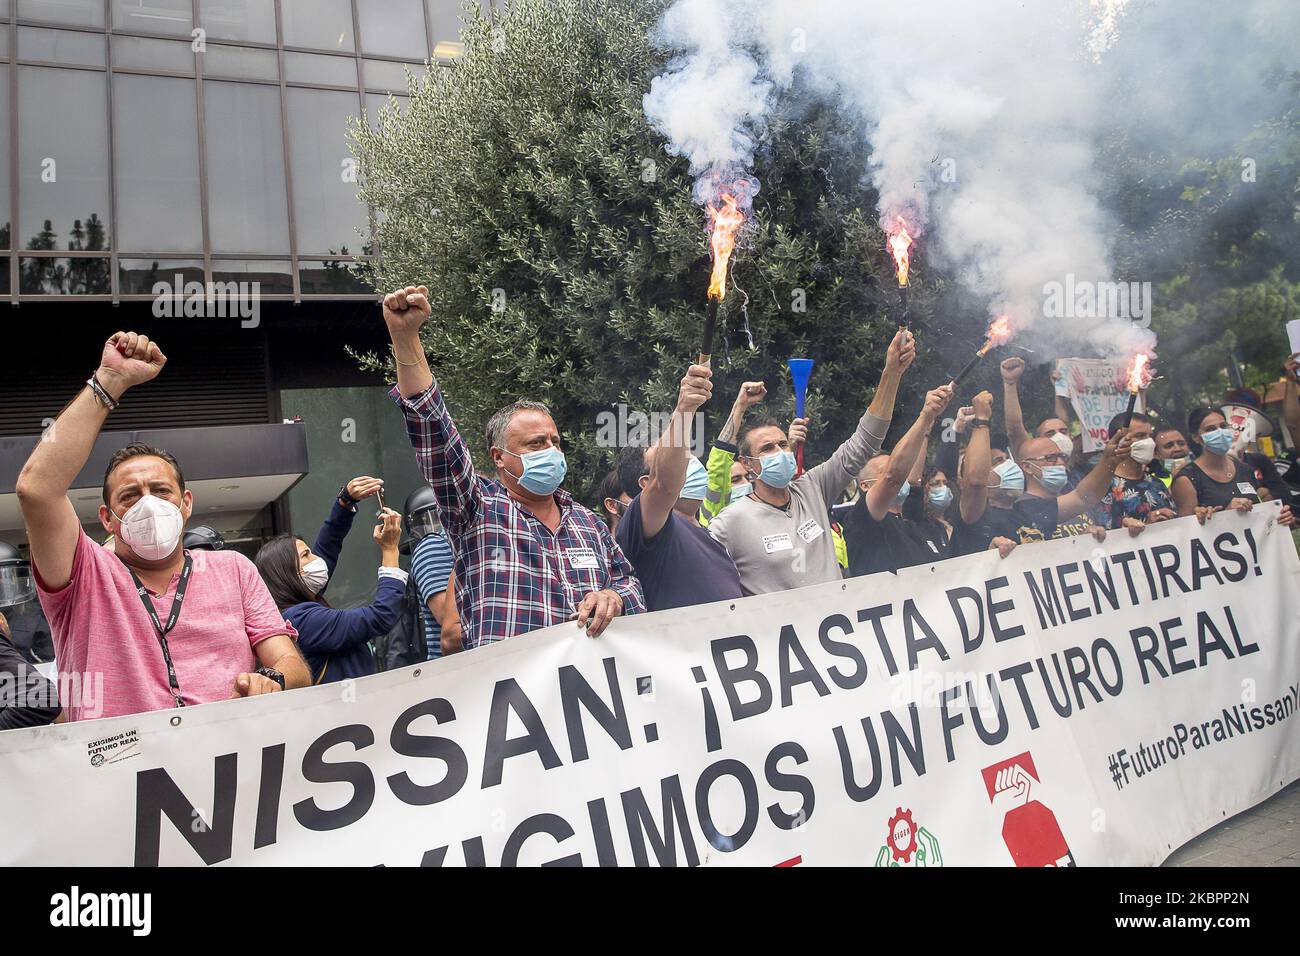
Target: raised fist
(128,359)
(406,309)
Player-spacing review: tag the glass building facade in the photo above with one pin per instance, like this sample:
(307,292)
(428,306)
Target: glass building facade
(204,138)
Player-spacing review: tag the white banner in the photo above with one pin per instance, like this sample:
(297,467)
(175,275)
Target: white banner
(1098,391)
(1073,703)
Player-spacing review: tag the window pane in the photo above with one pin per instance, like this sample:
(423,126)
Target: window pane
(4,163)
(249,20)
(389,76)
(81,13)
(64,276)
(240,61)
(155,138)
(245,161)
(4,42)
(325,206)
(444,18)
(61,46)
(332,277)
(142,53)
(4,276)
(62,159)
(377,101)
(272,277)
(137,276)
(317,24)
(153,16)
(393,28)
(312,68)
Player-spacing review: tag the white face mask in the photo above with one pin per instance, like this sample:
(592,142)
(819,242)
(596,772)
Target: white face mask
(1063,442)
(152,527)
(1143,450)
(315,574)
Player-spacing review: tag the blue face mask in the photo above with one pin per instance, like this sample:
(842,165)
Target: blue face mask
(903,492)
(1219,440)
(697,480)
(1010,477)
(544,470)
(1053,479)
(778,469)
(741,490)
(940,498)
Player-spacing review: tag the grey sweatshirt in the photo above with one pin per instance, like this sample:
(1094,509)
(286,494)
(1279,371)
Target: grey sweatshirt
(776,549)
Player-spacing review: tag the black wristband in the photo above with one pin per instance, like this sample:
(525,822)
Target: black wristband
(346,499)
(272,674)
(980,423)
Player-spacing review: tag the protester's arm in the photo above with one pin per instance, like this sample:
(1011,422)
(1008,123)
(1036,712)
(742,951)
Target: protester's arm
(329,540)
(881,495)
(1095,483)
(918,466)
(271,636)
(327,630)
(443,608)
(622,596)
(128,359)
(667,466)
(1185,497)
(1291,398)
(979,462)
(1012,369)
(440,452)
(843,466)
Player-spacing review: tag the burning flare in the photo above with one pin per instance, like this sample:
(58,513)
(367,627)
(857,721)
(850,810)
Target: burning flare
(900,243)
(1140,372)
(724,223)
(1000,333)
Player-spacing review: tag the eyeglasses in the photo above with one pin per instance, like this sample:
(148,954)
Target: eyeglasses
(1056,459)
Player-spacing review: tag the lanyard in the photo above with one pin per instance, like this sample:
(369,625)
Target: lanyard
(172,617)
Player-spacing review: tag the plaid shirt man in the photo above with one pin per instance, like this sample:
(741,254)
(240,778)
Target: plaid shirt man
(513,574)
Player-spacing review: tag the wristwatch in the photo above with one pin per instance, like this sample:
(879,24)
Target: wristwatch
(980,423)
(345,499)
(271,673)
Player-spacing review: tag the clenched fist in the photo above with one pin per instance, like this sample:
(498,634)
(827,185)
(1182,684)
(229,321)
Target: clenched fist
(696,388)
(406,309)
(128,359)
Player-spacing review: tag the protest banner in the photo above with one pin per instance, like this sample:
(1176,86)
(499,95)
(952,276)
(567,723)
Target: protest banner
(1074,703)
(1097,393)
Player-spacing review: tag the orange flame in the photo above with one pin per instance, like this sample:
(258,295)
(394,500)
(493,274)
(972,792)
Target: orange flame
(1000,332)
(724,223)
(1140,372)
(899,245)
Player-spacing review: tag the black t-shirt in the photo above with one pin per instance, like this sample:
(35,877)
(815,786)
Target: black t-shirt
(1219,494)
(890,544)
(681,565)
(1029,519)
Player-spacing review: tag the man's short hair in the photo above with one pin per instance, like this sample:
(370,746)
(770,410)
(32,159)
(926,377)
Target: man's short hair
(500,420)
(1117,422)
(742,446)
(631,466)
(138,450)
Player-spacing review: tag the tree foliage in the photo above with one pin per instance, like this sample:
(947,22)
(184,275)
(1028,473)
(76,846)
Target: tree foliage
(566,260)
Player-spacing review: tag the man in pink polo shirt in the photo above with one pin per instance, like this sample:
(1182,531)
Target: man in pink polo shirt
(153,625)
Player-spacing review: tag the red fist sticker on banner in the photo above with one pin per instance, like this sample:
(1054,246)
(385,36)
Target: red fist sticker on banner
(1029,828)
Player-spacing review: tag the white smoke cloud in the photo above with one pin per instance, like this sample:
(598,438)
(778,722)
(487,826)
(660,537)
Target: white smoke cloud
(984,119)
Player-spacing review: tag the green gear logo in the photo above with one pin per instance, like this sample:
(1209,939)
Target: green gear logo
(906,844)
